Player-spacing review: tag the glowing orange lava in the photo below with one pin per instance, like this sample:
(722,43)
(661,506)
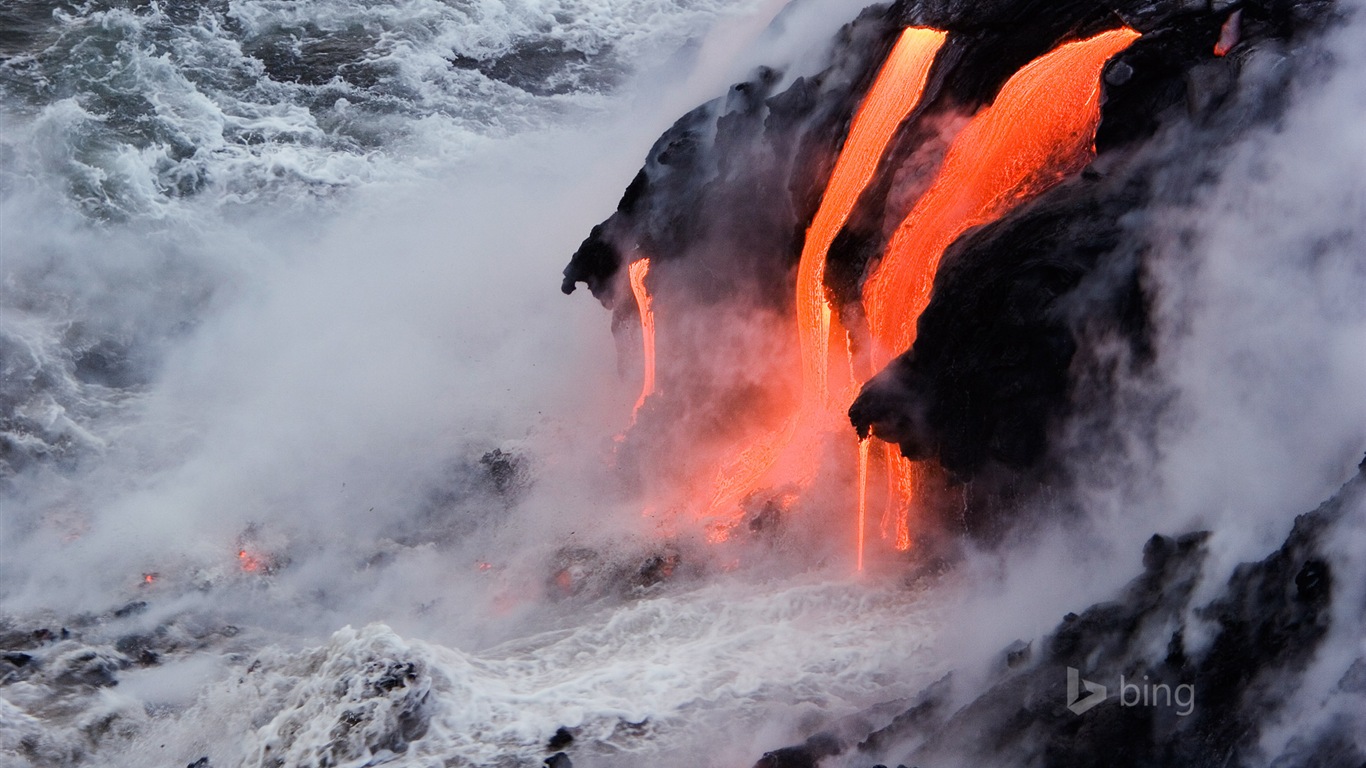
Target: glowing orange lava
(894,94)
(902,487)
(248,562)
(637,271)
(1040,129)
(862,498)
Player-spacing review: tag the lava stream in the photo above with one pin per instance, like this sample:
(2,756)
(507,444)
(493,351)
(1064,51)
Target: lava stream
(896,91)
(894,94)
(1040,129)
(637,271)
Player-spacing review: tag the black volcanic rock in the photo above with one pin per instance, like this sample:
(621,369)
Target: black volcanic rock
(996,363)
(806,755)
(1004,351)
(989,370)
(1269,622)
(720,188)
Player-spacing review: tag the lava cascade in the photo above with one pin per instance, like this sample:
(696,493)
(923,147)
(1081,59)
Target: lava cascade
(896,91)
(1040,129)
(894,94)
(636,273)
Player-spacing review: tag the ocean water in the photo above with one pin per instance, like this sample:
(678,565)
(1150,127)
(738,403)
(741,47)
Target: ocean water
(297,426)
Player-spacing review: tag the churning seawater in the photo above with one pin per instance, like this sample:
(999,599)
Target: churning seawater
(283,352)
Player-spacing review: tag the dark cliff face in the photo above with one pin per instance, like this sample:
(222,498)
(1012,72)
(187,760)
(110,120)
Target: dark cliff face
(1005,350)
(732,185)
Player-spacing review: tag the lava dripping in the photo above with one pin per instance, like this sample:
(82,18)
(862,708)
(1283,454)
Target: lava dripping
(636,273)
(894,94)
(1040,129)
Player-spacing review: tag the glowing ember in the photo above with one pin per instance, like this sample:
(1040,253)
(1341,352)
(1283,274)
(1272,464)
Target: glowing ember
(248,562)
(1040,129)
(149,578)
(637,271)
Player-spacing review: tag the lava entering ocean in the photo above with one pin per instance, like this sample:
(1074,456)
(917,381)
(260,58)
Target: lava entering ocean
(1039,130)
(299,467)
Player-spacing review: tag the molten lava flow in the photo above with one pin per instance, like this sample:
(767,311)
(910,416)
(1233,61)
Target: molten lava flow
(1040,129)
(902,486)
(895,92)
(893,95)
(637,272)
(741,475)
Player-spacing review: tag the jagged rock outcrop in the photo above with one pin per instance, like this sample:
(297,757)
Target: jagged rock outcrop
(1187,704)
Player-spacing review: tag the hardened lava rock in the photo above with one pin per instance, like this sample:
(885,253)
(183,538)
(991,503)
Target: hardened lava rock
(1007,349)
(1208,703)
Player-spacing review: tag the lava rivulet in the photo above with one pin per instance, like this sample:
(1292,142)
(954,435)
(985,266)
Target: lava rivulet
(636,273)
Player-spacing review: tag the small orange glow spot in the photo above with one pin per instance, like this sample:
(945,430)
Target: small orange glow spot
(149,578)
(248,562)
(483,566)
(637,271)
(1230,33)
(564,580)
